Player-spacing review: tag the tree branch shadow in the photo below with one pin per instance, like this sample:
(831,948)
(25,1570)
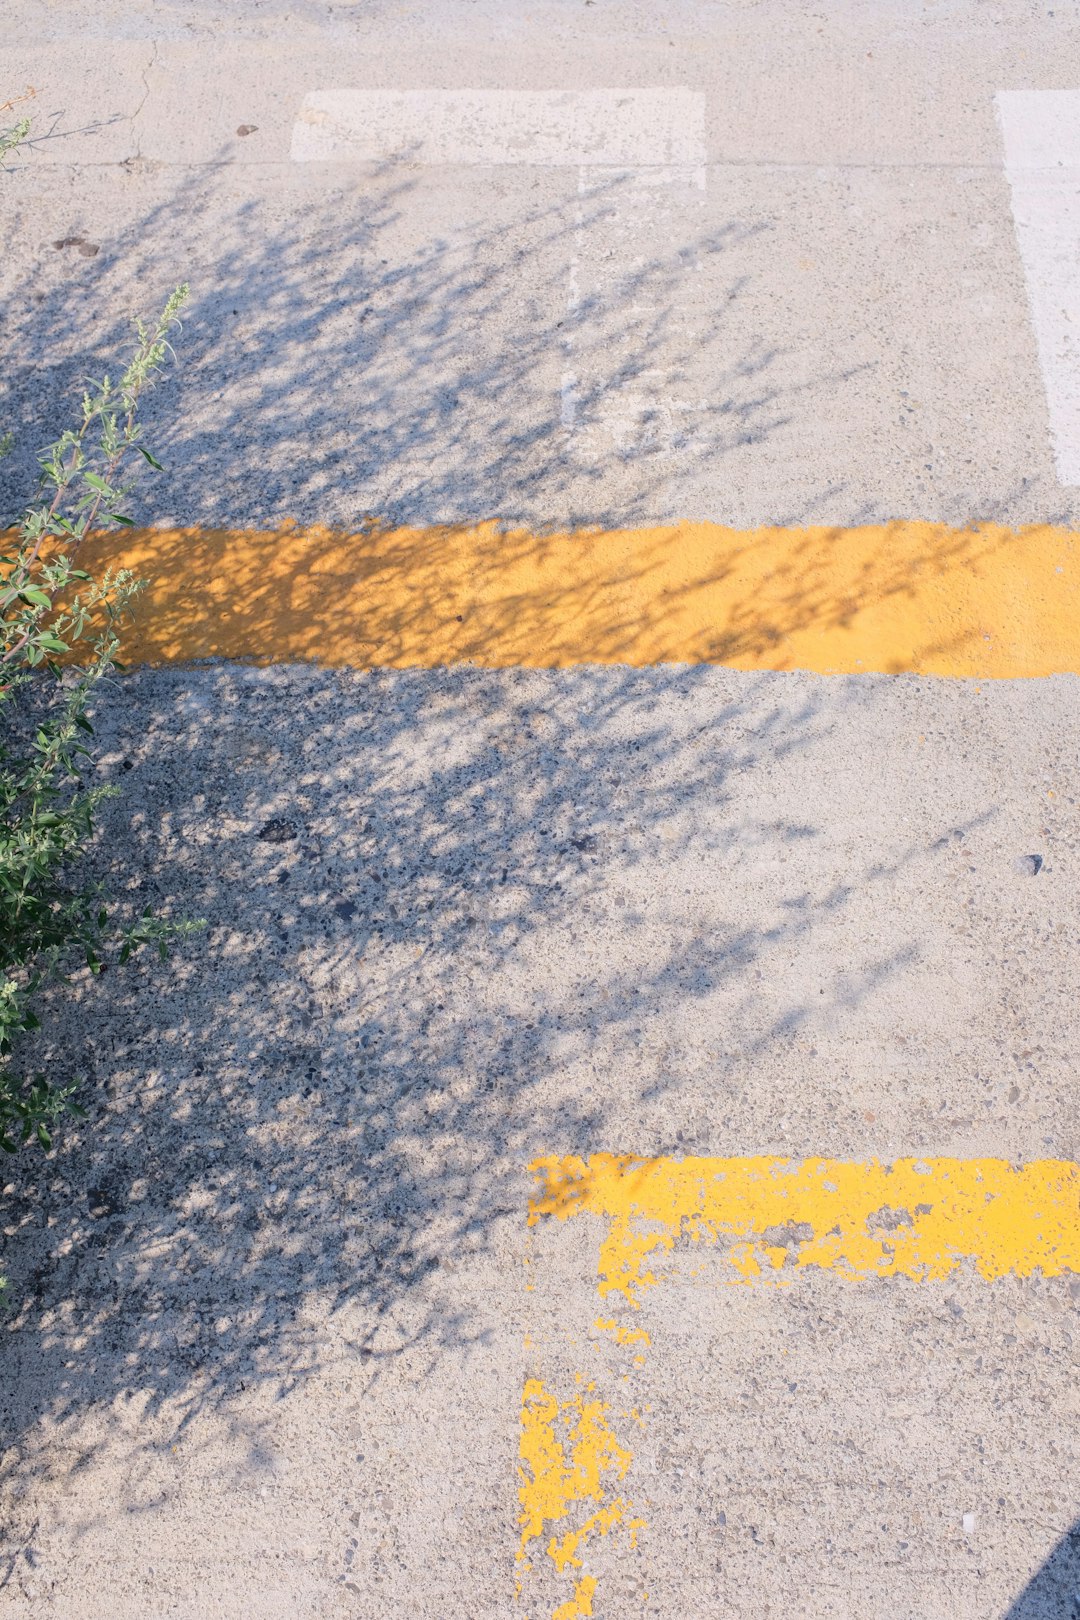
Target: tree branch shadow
(413,970)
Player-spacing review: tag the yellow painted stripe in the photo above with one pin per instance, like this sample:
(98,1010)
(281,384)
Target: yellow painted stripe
(921,597)
(775,1217)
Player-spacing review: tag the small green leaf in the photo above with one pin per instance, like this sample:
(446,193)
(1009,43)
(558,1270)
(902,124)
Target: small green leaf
(118,517)
(154,462)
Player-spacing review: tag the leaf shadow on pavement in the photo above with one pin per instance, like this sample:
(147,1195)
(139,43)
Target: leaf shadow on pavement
(456,918)
(1053,1593)
(335,362)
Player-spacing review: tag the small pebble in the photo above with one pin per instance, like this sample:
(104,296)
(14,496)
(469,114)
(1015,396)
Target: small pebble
(969,1524)
(277,831)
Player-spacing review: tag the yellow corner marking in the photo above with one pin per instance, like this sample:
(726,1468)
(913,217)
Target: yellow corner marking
(907,596)
(915,1218)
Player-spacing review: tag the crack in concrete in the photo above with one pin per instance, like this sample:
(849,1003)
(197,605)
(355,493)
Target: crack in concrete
(145,97)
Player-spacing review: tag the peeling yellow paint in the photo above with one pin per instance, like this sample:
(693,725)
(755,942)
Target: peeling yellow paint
(983,601)
(581,1602)
(563,1473)
(621,1335)
(914,1218)
(569,1456)
(564,1553)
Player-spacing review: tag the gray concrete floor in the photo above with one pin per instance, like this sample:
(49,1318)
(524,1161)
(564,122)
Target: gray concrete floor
(270,1319)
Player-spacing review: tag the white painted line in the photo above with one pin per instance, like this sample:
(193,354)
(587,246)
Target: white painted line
(616,128)
(609,415)
(1041,130)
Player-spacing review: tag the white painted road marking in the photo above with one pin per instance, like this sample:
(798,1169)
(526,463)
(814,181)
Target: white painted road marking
(625,224)
(552,128)
(1041,129)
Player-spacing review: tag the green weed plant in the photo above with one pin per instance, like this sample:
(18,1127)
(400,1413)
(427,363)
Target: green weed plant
(59,640)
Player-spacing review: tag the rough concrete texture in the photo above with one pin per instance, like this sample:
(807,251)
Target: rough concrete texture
(834,329)
(271,1311)
(459,919)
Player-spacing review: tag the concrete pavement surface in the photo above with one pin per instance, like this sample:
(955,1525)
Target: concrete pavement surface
(609,681)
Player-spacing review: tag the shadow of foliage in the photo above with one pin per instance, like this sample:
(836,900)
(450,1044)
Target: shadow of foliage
(1053,1593)
(337,360)
(446,907)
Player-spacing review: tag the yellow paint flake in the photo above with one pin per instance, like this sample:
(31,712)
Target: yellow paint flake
(581,1602)
(914,1218)
(564,1553)
(621,1335)
(563,1471)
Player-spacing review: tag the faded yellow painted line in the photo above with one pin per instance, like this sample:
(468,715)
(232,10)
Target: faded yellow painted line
(913,1218)
(770,1219)
(985,601)
(569,1455)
